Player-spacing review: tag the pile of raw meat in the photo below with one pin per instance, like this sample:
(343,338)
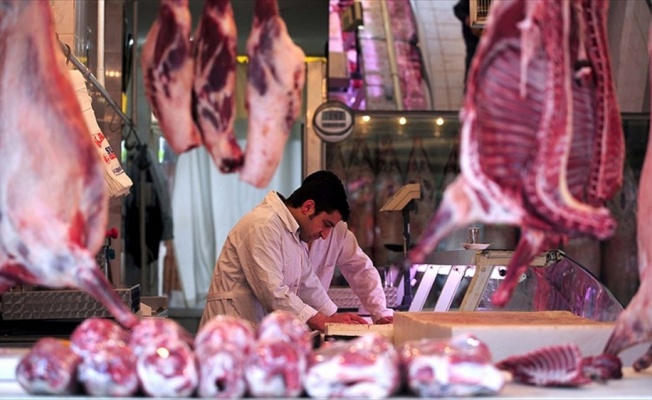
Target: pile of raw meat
(229,358)
(191,86)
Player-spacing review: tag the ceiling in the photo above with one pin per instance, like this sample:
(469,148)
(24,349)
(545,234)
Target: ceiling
(307,21)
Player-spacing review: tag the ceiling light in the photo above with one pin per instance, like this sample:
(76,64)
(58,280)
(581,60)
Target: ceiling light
(439,121)
(402,121)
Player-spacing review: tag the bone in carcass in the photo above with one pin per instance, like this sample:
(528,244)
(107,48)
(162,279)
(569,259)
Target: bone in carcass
(559,365)
(634,324)
(276,75)
(541,142)
(222,346)
(366,368)
(215,52)
(50,367)
(461,366)
(167,65)
(53,199)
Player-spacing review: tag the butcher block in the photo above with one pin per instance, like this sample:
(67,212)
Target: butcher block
(509,333)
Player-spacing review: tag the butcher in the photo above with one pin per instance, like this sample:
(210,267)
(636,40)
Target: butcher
(264,264)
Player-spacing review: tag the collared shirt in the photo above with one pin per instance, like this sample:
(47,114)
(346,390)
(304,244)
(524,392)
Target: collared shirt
(264,266)
(341,249)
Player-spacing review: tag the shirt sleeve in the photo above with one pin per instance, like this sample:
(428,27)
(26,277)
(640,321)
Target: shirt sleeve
(363,277)
(263,263)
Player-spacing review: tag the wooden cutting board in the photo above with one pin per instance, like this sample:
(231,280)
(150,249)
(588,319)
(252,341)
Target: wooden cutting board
(509,333)
(349,330)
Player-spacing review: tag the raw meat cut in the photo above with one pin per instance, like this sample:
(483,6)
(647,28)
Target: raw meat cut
(365,368)
(215,52)
(276,76)
(549,366)
(634,324)
(221,371)
(154,331)
(109,370)
(53,197)
(222,346)
(168,72)
(276,368)
(223,329)
(541,143)
(602,367)
(285,326)
(50,367)
(167,369)
(93,332)
(461,366)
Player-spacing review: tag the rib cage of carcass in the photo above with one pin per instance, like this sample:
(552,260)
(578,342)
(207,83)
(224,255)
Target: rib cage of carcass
(541,142)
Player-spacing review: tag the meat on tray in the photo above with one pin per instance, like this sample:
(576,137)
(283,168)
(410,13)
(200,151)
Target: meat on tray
(54,202)
(50,367)
(168,72)
(276,76)
(461,366)
(541,142)
(215,52)
(365,367)
(634,324)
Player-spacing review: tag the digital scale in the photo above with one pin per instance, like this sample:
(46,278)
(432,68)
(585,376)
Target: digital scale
(333,121)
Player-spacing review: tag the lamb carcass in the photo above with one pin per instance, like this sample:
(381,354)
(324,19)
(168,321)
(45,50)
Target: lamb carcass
(50,367)
(53,199)
(541,143)
(168,72)
(215,52)
(634,324)
(276,75)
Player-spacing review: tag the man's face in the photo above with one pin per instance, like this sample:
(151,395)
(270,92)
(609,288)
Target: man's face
(314,226)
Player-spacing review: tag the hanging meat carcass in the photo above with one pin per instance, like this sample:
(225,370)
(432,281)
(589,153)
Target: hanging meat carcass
(276,76)
(634,324)
(53,199)
(167,65)
(215,54)
(542,145)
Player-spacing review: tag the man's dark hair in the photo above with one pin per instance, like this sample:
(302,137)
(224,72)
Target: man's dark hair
(326,190)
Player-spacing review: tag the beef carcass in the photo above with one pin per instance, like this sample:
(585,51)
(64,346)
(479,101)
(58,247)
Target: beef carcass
(541,143)
(276,75)
(50,367)
(634,324)
(53,198)
(168,72)
(215,52)
(366,368)
(461,366)
(222,346)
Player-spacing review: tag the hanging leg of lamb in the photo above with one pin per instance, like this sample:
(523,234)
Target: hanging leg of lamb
(214,86)
(53,199)
(276,76)
(634,324)
(540,147)
(167,65)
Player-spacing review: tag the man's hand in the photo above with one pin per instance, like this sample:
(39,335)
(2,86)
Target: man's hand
(319,320)
(385,320)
